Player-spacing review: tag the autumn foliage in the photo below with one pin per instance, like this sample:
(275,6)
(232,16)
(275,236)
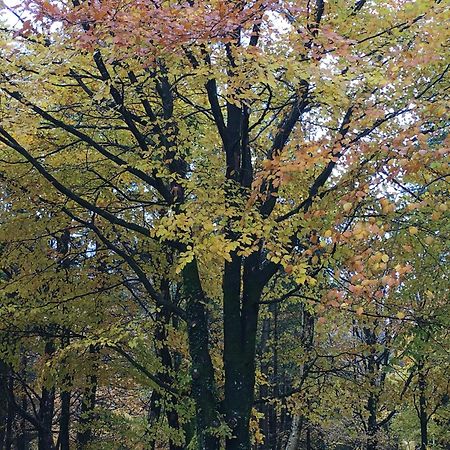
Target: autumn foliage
(224,224)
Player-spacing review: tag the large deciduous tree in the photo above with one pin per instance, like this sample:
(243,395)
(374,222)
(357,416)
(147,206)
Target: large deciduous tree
(211,157)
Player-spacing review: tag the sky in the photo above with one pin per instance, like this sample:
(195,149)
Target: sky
(7,15)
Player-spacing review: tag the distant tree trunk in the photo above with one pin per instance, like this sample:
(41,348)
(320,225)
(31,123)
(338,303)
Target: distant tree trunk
(23,438)
(88,403)
(172,419)
(154,413)
(268,423)
(203,386)
(164,353)
(4,402)
(296,429)
(46,410)
(306,339)
(423,416)
(284,423)
(264,388)
(372,401)
(84,435)
(7,411)
(308,437)
(372,426)
(273,416)
(64,421)
(170,363)
(65,395)
(10,420)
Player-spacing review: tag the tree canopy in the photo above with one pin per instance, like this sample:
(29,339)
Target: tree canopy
(224,224)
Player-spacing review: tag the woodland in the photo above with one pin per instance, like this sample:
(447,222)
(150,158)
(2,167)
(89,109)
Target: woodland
(224,225)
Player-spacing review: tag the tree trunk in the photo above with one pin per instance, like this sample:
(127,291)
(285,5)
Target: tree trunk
(240,326)
(46,410)
(274,382)
(268,424)
(423,416)
(172,419)
(306,339)
(84,436)
(4,402)
(9,424)
(372,426)
(6,396)
(203,386)
(154,414)
(23,437)
(372,401)
(308,437)
(284,423)
(294,436)
(163,352)
(264,388)
(64,421)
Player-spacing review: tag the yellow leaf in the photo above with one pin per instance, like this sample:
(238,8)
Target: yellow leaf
(413,230)
(347,207)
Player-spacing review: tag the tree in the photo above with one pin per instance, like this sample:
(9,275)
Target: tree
(215,153)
